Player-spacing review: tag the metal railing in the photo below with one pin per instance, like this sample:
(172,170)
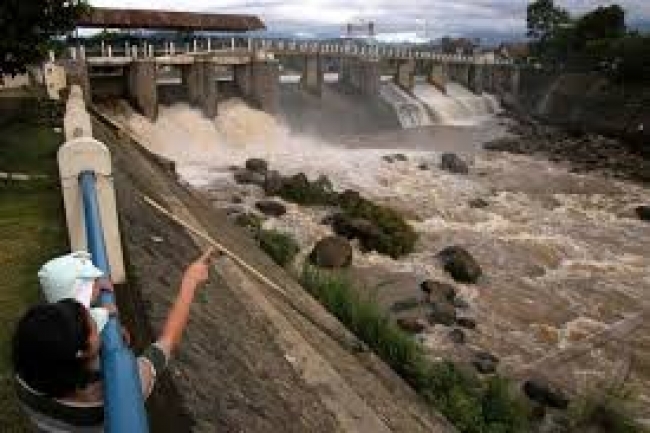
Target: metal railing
(123,401)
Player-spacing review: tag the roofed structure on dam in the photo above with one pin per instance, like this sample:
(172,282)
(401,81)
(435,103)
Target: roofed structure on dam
(172,20)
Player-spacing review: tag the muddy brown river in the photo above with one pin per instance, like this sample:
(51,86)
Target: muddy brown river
(563,254)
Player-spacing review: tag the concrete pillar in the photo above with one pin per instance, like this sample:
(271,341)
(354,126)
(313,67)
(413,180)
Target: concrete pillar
(405,77)
(312,75)
(76,72)
(459,73)
(200,80)
(475,76)
(439,76)
(258,82)
(361,75)
(141,87)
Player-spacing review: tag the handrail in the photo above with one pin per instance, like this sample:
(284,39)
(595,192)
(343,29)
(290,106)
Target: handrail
(123,401)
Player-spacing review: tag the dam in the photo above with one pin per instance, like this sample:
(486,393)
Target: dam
(378,164)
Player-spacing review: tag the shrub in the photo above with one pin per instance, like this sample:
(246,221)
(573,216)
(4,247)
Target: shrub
(605,408)
(393,237)
(281,247)
(471,405)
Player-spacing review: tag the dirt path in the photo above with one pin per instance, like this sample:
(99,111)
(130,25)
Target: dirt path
(250,361)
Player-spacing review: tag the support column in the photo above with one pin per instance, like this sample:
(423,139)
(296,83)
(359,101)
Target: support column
(475,78)
(199,80)
(439,76)
(141,87)
(312,75)
(405,77)
(258,82)
(76,72)
(361,75)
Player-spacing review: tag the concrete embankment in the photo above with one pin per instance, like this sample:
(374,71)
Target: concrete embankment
(251,360)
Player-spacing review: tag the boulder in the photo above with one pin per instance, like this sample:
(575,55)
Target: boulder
(257,165)
(485,362)
(349,198)
(247,177)
(273,182)
(411,325)
(457,336)
(442,313)
(546,394)
(466,322)
(271,208)
(352,228)
(478,203)
(438,291)
(453,163)
(332,252)
(395,157)
(643,212)
(460,303)
(460,264)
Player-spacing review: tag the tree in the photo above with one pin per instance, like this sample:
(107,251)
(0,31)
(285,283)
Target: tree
(27,27)
(543,19)
(601,23)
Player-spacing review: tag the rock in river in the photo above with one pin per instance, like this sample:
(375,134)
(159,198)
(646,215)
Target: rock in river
(460,264)
(485,362)
(411,325)
(247,177)
(436,290)
(332,252)
(643,212)
(271,208)
(546,394)
(453,163)
(257,165)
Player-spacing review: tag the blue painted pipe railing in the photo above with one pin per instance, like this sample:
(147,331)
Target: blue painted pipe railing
(123,402)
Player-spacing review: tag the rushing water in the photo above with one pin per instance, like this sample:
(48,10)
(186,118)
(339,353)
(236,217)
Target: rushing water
(457,106)
(410,111)
(563,254)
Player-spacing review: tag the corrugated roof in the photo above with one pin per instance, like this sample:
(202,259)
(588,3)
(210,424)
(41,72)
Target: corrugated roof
(157,19)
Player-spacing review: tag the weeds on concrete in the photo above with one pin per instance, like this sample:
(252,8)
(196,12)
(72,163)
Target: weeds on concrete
(471,404)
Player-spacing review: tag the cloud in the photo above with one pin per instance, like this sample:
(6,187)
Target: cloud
(439,17)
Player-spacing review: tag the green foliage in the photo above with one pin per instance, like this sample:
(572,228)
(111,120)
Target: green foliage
(281,247)
(601,23)
(543,19)
(393,237)
(28,26)
(605,408)
(471,405)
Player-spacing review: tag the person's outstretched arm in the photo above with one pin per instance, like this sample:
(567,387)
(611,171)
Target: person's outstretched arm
(155,358)
(195,275)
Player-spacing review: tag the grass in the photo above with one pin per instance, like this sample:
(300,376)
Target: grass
(32,229)
(471,404)
(27,148)
(281,247)
(604,409)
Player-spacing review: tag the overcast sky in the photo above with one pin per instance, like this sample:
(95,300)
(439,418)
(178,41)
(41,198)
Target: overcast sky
(439,17)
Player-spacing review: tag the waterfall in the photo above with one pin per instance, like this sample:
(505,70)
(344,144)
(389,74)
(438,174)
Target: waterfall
(410,111)
(459,106)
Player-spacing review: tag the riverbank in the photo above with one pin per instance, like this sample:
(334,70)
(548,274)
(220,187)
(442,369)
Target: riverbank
(581,153)
(32,230)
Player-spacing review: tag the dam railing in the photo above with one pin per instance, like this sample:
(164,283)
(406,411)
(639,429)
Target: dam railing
(86,177)
(256,46)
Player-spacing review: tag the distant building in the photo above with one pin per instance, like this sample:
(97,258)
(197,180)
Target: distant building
(513,51)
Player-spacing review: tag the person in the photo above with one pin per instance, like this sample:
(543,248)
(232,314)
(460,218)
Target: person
(75,276)
(55,352)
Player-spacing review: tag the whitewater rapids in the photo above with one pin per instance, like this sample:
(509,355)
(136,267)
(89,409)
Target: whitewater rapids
(563,254)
